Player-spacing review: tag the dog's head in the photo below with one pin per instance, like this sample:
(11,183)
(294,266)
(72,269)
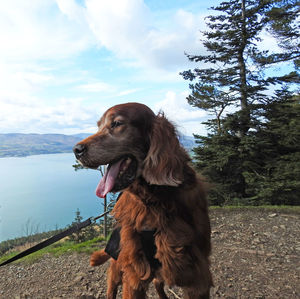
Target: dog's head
(134,142)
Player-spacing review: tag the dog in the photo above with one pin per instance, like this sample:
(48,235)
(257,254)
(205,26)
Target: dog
(162,200)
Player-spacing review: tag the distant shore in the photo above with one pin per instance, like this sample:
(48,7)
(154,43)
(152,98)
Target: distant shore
(23,145)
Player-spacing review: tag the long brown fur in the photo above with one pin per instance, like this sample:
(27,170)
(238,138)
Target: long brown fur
(166,196)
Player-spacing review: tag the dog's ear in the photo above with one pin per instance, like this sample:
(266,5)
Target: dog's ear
(165,160)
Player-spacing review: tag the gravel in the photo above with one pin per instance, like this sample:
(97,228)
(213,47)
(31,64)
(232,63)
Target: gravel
(255,255)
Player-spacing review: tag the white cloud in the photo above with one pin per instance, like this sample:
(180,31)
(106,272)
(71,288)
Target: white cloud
(35,37)
(35,29)
(268,42)
(65,116)
(118,25)
(187,118)
(71,9)
(96,87)
(40,40)
(127,92)
(126,28)
(19,81)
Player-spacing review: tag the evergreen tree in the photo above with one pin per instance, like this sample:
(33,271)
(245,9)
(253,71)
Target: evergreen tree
(218,159)
(84,234)
(275,174)
(77,236)
(230,81)
(282,19)
(239,155)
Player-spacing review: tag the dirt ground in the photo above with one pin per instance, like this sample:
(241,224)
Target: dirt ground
(255,255)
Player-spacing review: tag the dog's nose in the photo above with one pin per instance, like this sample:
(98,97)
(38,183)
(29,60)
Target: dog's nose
(79,150)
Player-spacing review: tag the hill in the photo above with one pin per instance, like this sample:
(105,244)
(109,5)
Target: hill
(21,145)
(188,142)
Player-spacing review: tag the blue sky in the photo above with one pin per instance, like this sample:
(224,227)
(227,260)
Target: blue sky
(64,62)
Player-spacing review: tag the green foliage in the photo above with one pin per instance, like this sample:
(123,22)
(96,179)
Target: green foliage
(232,78)
(84,234)
(77,166)
(277,145)
(282,18)
(69,246)
(250,156)
(269,208)
(10,244)
(57,249)
(81,241)
(262,167)
(217,157)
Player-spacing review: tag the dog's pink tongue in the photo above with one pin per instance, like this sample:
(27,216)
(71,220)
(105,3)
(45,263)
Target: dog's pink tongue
(108,180)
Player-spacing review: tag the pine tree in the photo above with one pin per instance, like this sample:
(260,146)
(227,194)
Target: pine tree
(229,83)
(232,78)
(77,236)
(277,147)
(84,234)
(237,155)
(218,159)
(282,20)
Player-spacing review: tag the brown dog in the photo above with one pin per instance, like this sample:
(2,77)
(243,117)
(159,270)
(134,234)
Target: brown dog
(162,196)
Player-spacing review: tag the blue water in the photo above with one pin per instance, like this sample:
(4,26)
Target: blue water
(43,192)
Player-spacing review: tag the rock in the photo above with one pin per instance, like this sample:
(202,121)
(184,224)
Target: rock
(78,279)
(273,215)
(215,232)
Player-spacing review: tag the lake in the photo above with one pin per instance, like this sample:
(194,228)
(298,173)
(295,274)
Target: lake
(44,192)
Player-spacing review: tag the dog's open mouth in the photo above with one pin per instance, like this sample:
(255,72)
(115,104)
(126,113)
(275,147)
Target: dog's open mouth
(119,175)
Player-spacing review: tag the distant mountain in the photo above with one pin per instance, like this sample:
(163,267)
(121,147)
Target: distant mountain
(21,145)
(188,142)
(81,135)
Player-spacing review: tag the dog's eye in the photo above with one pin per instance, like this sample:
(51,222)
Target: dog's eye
(115,124)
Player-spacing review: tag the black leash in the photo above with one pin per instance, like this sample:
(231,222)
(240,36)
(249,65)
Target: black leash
(76,227)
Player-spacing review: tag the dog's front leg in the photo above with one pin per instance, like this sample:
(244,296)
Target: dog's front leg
(131,259)
(114,279)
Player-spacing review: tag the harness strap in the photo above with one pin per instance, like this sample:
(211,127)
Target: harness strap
(113,245)
(148,246)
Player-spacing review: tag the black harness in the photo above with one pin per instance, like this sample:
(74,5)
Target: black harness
(149,247)
(147,239)
(113,245)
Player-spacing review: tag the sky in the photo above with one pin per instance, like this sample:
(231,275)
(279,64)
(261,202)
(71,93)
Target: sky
(64,62)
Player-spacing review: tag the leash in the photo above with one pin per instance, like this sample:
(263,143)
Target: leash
(76,227)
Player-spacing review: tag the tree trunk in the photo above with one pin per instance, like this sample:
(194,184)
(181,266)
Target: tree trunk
(105,218)
(245,114)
